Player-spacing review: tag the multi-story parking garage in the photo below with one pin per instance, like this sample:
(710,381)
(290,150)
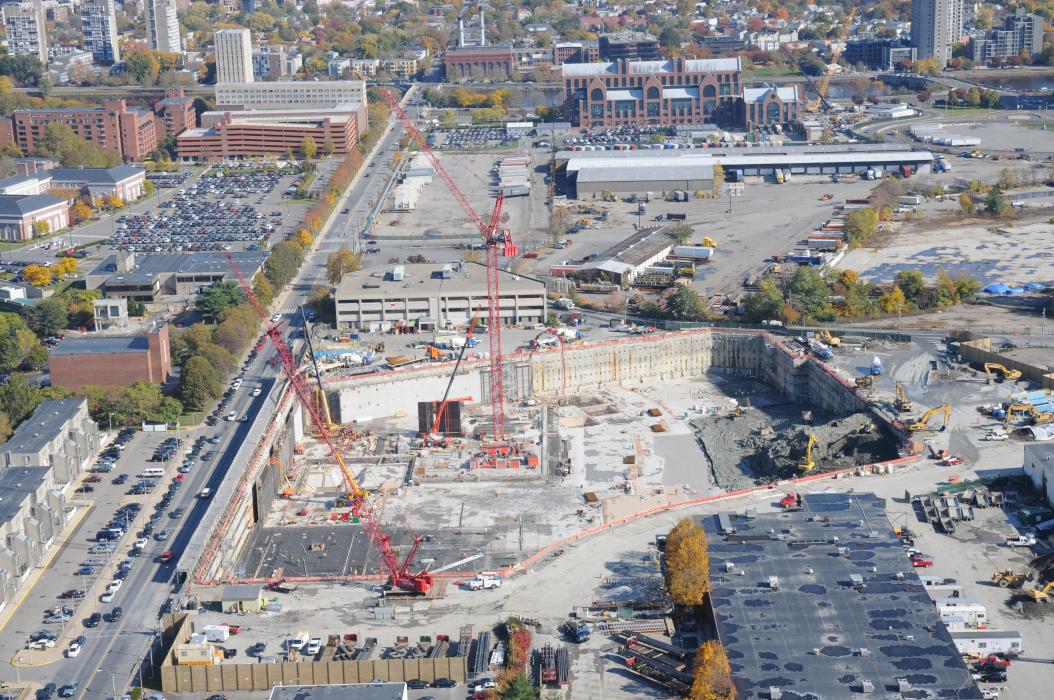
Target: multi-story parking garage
(591,172)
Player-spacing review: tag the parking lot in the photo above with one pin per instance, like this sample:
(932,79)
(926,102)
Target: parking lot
(212,214)
(475,138)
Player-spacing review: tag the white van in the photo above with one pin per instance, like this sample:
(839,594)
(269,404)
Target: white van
(152,473)
(205,493)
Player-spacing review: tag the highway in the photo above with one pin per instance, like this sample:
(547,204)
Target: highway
(114,654)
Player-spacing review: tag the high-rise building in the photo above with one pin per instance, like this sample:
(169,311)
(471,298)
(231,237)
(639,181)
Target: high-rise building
(234,56)
(1021,35)
(162,26)
(935,26)
(99,24)
(24,22)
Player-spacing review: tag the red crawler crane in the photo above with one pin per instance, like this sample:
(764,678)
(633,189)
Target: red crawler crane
(355,497)
(498,243)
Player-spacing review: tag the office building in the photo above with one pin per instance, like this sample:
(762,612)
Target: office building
(628,46)
(162,26)
(935,26)
(879,54)
(768,106)
(271,132)
(275,61)
(234,56)
(20,215)
(1020,36)
(576,52)
(433,293)
(111,360)
(130,131)
(148,277)
(175,113)
(24,24)
(126,182)
(99,24)
(652,93)
(290,93)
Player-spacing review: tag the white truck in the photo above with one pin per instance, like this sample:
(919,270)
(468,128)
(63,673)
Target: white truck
(484,581)
(564,304)
(1021,541)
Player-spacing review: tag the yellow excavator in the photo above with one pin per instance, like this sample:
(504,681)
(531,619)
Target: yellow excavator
(1038,417)
(922,422)
(824,336)
(1041,594)
(807,462)
(1003,373)
(709,242)
(902,403)
(865,382)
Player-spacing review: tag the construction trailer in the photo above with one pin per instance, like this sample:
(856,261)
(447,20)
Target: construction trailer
(984,642)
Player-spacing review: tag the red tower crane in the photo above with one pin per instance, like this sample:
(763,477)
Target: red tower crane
(398,572)
(498,243)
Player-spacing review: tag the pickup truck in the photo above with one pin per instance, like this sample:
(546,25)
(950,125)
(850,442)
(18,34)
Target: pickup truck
(1021,541)
(484,581)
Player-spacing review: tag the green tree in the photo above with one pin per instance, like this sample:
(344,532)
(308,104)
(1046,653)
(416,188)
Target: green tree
(308,148)
(764,304)
(220,296)
(200,382)
(59,141)
(682,233)
(683,304)
(5,427)
(911,282)
(49,317)
(18,399)
(340,263)
(263,290)
(136,308)
(518,687)
(860,226)
(966,204)
(893,301)
(10,353)
(995,204)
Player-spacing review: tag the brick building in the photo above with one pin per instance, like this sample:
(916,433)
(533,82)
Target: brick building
(652,93)
(271,132)
(628,46)
(576,52)
(129,131)
(768,106)
(124,181)
(111,361)
(20,214)
(478,63)
(175,113)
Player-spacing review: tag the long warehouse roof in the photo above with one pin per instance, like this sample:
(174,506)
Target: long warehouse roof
(679,160)
(627,172)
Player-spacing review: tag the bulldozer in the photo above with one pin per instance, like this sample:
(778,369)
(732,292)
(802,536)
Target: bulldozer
(902,403)
(1003,372)
(865,382)
(709,242)
(1041,594)
(824,336)
(922,422)
(1008,578)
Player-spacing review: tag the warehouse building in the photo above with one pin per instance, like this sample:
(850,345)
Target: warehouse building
(589,173)
(111,360)
(625,261)
(151,276)
(832,590)
(431,296)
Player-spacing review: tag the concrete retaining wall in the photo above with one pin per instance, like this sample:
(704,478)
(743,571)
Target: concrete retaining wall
(978,352)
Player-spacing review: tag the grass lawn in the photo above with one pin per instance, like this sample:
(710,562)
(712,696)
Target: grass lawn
(967,111)
(770,72)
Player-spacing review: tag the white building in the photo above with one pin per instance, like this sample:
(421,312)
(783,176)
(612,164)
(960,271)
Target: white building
(234,56)
(99,24)
(162,26)
(287,93)
(24,23)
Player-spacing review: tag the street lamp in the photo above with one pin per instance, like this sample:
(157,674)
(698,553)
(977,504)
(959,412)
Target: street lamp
(113,680)
(110,417)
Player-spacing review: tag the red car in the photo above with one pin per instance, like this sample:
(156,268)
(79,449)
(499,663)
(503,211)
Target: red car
(920,562)
(166,557)
(233,629)
(92,479)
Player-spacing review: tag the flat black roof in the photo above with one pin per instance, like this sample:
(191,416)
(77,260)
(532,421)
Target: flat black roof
(816,635)
(16,485)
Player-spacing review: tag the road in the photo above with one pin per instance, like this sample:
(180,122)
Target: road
(119,648)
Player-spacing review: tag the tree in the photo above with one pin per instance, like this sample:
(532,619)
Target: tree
(60,141)
(38,275)
(712,674)
(687,563)
(994,203)
(308,148)
(65,267)
(49,317)
(220,296)
(81,211)
(518,687)
(114,202)
(682,233)
(860,226)
(18,399)
(340,263)
(41,228)
(683,304)
(911,283)
(5,427)
(893,301)
(263,290)
(764,304)
(200,382)
(304,238)
(966,204)
(136,308)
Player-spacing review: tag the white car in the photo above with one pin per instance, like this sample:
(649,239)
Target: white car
(74,650)
(230,416)
(257,391)
(996,436)
(141,543)
(314,646)
(115,586)
(1018,203)
(107,597)
(276,318)
(42,644)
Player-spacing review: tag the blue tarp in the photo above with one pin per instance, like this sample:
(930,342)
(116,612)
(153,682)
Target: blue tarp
(1014,290)
(1034,287)
(999,288)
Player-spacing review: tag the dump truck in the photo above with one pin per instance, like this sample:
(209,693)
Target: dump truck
(576,631)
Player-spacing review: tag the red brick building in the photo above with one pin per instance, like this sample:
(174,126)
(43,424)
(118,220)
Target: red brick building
(111,360)
(652,93)
(270,132)
(770,105)
(175,113)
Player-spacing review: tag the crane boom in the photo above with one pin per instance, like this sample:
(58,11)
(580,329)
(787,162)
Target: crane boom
(498,243)
(356,495)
